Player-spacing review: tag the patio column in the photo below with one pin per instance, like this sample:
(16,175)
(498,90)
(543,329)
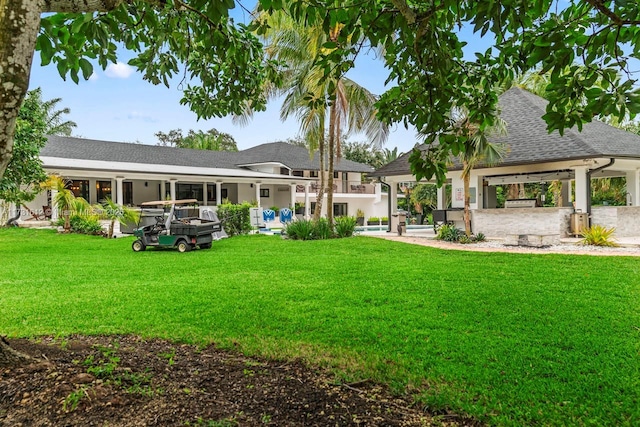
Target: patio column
(633,188)
(257,187)
(293,196)
(204,194)
(441,197)
(565,193)
(54,209)
(172,188)
(218,193)
(307,205)
(163,189)
(580,202)
(393,197)
(119,190)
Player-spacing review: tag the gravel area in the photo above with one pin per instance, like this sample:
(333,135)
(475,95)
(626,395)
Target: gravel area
(498,246)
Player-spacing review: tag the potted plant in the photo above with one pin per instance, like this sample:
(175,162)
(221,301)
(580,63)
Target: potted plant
(384,220)
(299,208)
(359,217)
(373,220)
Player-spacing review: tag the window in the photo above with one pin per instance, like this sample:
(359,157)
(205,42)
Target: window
(339,209)
(336,174)
(211,193)
(264,192)
(297,173)
(189,191)
(284,171)
(80,188)
(103,190)
(127,193)
(313,174)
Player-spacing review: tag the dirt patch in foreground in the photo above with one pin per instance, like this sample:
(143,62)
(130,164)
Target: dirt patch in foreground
(127,381)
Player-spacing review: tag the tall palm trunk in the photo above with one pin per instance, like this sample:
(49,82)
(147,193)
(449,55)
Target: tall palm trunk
(320,192)
(332,144)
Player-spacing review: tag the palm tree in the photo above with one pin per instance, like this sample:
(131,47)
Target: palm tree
(114,212)
(63,200)
(315,99)
(55,124)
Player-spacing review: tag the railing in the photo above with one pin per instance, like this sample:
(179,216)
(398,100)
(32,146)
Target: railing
(342,187)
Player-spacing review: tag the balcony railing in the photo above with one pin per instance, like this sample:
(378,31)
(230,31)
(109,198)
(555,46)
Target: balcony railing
(343,187)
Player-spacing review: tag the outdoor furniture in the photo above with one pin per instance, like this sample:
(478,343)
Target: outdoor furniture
(286,215)
(46,210)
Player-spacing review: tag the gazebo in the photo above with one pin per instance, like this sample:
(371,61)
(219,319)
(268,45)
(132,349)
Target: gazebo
(535,155)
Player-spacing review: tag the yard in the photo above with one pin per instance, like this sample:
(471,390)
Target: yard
(508,339)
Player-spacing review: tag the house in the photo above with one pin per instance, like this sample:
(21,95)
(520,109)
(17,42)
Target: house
(535,155)
(274,174)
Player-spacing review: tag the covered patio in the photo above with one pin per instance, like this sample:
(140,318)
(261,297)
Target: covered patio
(569,162)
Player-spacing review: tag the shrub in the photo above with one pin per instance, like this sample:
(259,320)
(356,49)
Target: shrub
(85,225)
(479,237)
(345,226)
(373,219)
(322,229)
(235,218)
(300,230)
(598,235)
(449,233)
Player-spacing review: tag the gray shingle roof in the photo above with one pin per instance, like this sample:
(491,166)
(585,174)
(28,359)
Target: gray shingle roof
(294,157)
(529,142)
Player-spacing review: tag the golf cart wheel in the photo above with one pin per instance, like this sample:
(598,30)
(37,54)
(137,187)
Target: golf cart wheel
(183,246)
(205,246)
(138,246)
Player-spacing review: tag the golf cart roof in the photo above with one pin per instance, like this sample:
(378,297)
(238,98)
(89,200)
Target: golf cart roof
(170,202)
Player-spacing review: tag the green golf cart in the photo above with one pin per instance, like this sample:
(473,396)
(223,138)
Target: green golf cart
(175,224)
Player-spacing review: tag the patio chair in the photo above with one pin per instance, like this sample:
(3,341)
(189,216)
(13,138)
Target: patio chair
(268,215)
(286,215)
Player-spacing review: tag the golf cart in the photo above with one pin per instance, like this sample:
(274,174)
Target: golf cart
(175,228)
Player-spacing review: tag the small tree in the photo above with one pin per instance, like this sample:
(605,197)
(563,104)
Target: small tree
(114,212)
(63,200)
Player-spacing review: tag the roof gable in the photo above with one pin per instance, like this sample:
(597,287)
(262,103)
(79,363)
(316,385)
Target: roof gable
(528,140)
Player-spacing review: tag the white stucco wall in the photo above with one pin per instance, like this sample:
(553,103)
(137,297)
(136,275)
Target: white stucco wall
(502,222)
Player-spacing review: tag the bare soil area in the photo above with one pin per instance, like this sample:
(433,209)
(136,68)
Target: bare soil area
(127,381)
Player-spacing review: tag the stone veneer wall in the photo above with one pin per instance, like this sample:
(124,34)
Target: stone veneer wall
(502,222)
(625,219)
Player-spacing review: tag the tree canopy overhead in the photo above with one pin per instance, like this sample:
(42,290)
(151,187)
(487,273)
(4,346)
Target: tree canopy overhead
(580,43)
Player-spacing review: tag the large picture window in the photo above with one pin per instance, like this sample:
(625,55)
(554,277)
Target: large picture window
(103,191)
(79,188)
(189,191)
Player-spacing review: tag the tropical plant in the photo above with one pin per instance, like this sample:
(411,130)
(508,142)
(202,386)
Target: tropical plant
(63,200)
(113,212)
(300,230)
(345,226)
(449,233)
(598,235)
(235,218)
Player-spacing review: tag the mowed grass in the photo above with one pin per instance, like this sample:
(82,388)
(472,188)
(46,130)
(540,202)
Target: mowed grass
(509,339)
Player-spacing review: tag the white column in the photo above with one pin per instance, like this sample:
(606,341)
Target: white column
(393,196)
(478,181)
(218,193)
(307,204)
(163,189)
(205,196)
(119,190)
(257,187)
(580,201)
(441,197)
(172,188)
(293,196)
(633,188)
(54,208)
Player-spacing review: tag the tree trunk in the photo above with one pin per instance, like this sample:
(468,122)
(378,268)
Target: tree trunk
(332,144)
(11,357)
(19,25)
(320,192)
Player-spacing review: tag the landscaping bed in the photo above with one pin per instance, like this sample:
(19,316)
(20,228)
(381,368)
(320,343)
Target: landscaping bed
(127,381)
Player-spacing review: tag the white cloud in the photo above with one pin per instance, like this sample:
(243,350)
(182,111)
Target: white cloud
(136,115)
(119,70)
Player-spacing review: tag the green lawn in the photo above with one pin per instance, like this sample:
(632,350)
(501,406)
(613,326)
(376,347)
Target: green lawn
(510,339)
